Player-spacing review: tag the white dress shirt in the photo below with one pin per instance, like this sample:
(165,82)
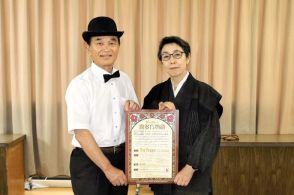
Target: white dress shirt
(98,106)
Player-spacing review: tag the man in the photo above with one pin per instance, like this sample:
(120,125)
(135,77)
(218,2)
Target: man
(96,100)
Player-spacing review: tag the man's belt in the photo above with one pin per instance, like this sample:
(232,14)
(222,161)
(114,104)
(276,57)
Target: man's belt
(113,149)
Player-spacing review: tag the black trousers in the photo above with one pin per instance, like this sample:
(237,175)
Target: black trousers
(88,179)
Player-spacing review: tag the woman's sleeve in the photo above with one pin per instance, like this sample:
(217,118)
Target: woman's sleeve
(152,100)
(206,145)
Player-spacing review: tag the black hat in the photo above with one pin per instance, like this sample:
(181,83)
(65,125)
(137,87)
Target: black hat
(101,26)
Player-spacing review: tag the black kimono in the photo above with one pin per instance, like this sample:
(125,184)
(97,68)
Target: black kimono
(199,129)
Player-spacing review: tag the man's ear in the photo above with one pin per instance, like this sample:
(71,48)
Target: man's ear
(86,45)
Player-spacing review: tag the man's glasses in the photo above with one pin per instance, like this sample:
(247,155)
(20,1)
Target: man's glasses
(167,56)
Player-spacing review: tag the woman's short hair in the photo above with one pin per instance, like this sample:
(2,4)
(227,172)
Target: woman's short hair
(177,40)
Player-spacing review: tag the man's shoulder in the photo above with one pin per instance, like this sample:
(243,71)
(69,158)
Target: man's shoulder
(124,75)
(81,82)
(124,79)
(83,77)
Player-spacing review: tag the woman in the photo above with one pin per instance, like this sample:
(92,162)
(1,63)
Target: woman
(199,112)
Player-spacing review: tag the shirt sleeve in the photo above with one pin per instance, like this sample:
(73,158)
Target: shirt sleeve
(131,91)
(77,100)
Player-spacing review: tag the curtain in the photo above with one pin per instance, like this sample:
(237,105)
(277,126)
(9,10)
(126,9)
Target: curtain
(244,49)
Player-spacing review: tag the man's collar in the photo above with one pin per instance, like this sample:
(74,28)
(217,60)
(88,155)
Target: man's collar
(99,72)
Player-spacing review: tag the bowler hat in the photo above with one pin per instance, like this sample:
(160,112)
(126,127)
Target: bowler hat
(101,26)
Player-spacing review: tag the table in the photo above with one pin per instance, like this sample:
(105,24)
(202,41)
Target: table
(256,164)
(12,164)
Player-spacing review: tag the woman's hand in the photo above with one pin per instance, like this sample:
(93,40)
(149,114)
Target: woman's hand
(166,106)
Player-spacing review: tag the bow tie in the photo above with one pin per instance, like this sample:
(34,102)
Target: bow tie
(107,77)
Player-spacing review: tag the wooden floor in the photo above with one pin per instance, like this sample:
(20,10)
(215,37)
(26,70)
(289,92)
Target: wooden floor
(144,190)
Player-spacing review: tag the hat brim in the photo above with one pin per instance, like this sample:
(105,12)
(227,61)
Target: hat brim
(88,34)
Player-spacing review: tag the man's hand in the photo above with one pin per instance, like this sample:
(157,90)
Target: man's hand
(184,176)
(131,106)
(166,106)
(116,176)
